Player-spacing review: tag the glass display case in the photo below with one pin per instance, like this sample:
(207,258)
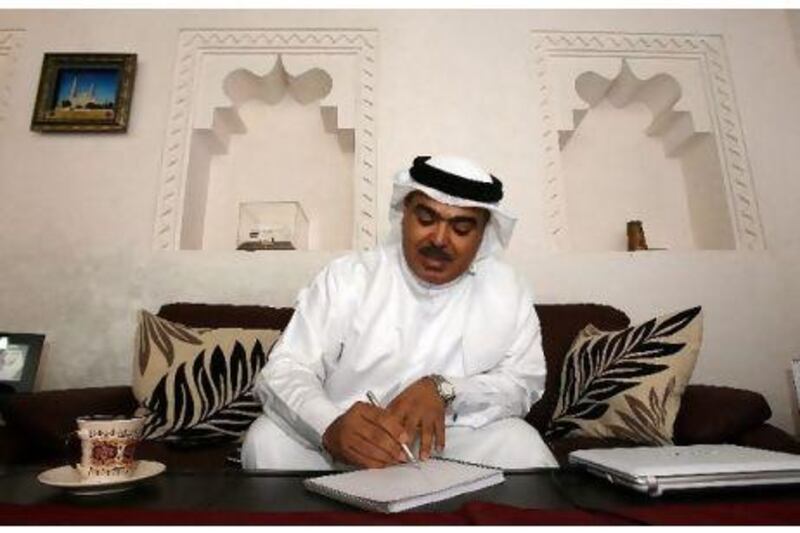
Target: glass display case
(272,226)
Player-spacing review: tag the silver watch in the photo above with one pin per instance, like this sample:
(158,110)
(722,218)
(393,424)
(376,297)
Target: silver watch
(445,389)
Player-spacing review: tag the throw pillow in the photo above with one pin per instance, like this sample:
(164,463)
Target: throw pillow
(195,384)
(628,384)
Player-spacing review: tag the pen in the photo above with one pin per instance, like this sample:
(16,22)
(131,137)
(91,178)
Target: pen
(374,401)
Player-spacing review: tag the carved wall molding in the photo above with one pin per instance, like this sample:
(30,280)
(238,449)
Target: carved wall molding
(195,46)
(10,43)
(712,107)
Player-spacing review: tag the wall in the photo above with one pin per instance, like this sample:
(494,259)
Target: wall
(77,220)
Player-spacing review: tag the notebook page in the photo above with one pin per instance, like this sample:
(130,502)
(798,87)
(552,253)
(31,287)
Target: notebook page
(405,481)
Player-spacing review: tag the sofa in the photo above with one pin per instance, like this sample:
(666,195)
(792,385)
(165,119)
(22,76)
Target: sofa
(37,423)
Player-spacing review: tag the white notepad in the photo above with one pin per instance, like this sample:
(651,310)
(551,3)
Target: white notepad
(400,487)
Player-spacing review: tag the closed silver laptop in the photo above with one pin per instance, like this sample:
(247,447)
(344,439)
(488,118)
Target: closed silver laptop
(653,470)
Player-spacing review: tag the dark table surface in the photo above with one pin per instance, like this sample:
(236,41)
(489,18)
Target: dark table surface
(261,491)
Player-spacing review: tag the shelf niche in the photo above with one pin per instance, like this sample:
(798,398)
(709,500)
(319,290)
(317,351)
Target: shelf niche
(290,153)
(633,156)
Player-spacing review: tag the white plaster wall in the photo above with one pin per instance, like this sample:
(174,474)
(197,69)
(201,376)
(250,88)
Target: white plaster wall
(77,218)
(793,16)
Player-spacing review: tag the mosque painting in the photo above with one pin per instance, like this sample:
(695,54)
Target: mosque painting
(85,94)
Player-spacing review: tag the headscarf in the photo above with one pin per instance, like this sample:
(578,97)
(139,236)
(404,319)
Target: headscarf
(454,181)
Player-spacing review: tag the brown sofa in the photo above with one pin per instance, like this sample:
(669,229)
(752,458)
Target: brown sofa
(37,423)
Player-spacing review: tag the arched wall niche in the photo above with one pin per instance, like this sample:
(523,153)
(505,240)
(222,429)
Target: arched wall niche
(273,143)
(678,89)
(225,76)
(612,178)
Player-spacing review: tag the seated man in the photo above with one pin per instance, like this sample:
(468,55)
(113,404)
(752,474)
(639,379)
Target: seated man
(442,332)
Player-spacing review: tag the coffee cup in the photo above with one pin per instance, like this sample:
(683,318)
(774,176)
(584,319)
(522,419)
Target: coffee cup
(108,446)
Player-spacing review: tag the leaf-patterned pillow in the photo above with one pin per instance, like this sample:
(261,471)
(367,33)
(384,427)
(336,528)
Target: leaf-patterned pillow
(628,384)
(195,384)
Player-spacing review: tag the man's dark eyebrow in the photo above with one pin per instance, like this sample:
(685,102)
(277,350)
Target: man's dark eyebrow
(463,218)
(452,220)
(426,208)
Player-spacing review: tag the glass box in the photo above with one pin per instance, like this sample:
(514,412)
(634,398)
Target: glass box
(272,226)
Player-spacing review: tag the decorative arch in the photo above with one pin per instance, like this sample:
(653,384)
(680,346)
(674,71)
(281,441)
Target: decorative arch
(685,82)
(217,70)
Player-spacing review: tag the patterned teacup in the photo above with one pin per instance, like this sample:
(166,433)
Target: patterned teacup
(108,446)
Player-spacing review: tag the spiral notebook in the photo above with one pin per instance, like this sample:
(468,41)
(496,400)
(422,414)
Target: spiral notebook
(400,487)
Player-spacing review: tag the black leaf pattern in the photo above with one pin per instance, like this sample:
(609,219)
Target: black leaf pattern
(219,375)
(203,382)
(182,399)
(606,365)
(677,322)
(608,388)
(210,399)
(627,370)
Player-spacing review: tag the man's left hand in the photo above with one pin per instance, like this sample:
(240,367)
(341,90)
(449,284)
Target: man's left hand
(422,411)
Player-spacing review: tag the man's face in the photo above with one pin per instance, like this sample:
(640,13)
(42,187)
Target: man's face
(439,240)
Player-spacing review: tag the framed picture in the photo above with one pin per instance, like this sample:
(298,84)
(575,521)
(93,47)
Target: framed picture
(19,360)
(84,93)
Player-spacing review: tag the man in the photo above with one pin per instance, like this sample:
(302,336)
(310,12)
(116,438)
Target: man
(442,332)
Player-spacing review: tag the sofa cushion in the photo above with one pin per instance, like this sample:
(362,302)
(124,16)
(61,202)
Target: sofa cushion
(560,323)
(701,420)
(196,383)
(628,384)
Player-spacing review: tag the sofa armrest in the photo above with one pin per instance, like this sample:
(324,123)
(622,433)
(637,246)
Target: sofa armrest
(712,414)
(769,437)
(43,419)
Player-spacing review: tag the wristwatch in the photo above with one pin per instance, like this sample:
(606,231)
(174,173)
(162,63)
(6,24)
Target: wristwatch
(445,389)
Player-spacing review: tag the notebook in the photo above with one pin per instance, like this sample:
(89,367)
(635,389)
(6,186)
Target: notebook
(654,470)
(400,487)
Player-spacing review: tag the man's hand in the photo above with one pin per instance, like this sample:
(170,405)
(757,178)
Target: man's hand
(421,410)
(366,436)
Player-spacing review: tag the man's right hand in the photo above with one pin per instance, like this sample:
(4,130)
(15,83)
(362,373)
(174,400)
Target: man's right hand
(366,436)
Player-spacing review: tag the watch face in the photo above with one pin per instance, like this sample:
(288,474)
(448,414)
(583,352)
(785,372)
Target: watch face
(447,390)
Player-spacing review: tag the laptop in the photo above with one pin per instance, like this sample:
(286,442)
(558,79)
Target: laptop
(654,470)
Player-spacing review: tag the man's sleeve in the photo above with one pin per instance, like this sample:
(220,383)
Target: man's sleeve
(290,385)
(510,388)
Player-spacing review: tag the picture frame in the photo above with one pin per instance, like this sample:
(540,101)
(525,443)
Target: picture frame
(84,92)
(19,360)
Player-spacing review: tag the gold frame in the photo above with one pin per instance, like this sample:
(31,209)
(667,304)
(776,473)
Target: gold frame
(113,117)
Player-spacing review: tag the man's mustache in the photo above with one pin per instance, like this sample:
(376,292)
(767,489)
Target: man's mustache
(434,252)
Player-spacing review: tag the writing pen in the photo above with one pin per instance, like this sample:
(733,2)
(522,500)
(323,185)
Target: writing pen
(374,401)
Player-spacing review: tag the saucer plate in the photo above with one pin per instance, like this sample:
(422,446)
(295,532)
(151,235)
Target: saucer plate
(67,477)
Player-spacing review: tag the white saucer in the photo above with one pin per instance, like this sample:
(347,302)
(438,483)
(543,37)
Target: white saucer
(67,477)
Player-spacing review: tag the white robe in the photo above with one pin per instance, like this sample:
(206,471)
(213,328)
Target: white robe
(367,323)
